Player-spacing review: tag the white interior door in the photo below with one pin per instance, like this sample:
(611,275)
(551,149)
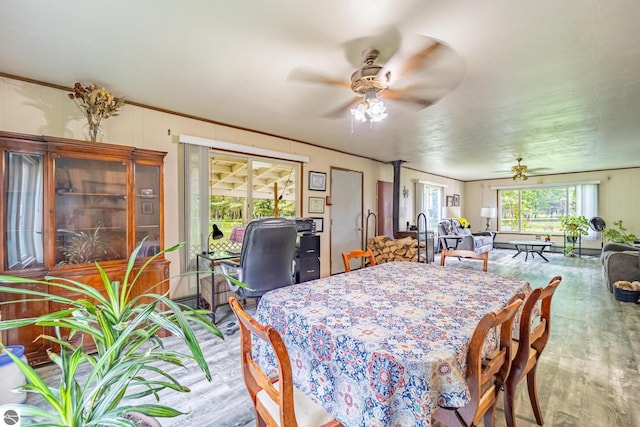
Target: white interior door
(346,215)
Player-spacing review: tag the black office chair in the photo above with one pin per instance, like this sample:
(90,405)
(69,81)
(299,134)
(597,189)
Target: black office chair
(266,259)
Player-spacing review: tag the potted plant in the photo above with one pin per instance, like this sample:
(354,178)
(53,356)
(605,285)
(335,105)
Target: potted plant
(618,234)
(83,247)
(12,377)
(573,226)
(101,388)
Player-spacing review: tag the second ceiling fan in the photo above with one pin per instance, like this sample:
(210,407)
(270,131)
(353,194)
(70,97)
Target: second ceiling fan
(520,171)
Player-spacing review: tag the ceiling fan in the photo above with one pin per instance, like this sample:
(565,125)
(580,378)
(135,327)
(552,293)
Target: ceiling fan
(519,170)
(372,81)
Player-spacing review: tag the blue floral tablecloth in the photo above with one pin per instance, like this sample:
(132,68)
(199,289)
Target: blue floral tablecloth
(384,345)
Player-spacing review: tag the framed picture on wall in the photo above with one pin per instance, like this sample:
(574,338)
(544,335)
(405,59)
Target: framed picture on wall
(449,201)
(317,181)
(456,200)
(319,222)
(147,208)
(146,193)
(316,204)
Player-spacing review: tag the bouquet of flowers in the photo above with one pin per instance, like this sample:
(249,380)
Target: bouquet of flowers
(96,103)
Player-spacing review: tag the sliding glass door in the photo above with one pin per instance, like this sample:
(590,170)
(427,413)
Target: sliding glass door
(225,191)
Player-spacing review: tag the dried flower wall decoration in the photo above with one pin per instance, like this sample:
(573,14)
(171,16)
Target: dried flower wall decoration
(96,103)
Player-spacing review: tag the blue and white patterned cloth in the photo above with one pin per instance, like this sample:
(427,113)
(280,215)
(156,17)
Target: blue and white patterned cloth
(383,345)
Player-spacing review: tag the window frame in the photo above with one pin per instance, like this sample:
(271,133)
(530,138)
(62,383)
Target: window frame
(585,203)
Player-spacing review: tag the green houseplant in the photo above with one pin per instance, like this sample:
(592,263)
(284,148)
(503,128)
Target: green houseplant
(573,226)
(124,367)
(618,234)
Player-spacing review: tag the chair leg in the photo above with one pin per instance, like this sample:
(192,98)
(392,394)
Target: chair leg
(533,394)
(485,261)
(260,422)
(509,404)
(490,416)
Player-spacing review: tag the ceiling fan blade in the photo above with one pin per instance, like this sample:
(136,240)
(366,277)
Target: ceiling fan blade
(310,76)
(536,170)
(339,111)
(405,95)
(421,58)
(398,67)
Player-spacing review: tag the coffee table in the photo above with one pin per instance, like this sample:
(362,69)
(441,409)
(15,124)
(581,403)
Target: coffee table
(530,247)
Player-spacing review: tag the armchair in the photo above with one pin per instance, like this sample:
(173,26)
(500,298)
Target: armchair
(266,259)
(459,241)
(620,262)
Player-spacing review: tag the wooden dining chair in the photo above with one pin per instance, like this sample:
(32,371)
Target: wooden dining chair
(534,330)
(486,373)
(277,402)
(357,253)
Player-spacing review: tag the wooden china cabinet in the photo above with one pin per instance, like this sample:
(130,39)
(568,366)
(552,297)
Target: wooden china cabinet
(67,204)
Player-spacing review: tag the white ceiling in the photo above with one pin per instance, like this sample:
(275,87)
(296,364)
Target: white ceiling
(557,82)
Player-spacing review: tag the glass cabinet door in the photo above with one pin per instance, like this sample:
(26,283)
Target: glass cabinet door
(90,210)
(147,192)
(24,211)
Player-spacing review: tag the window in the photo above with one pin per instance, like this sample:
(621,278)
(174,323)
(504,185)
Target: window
(24,218)
(538,209)
(428,201)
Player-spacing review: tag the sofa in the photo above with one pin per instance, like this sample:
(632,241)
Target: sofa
(620,263)
(458,241)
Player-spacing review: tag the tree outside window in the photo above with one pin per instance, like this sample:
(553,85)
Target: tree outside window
(537,210)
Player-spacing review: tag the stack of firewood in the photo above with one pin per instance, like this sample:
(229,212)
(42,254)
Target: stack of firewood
(386,249)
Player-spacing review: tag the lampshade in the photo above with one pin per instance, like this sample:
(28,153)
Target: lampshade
(450,212)
(216,233)
(487,212)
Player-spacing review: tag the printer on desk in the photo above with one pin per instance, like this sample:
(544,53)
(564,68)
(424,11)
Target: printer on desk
(305,225)
(307,251)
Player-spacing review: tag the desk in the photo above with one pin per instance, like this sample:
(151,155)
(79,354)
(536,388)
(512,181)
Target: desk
(210,260)
(530,247)
(383,345)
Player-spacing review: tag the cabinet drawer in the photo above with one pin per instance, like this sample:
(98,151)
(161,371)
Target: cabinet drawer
(308,246)
(307,269)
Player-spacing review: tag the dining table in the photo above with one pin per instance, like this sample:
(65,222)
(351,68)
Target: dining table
(383,345)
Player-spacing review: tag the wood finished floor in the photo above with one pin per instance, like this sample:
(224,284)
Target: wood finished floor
(588,374)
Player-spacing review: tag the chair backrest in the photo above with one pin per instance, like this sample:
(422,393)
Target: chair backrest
(444,227)
(357,253)
(255,378)
(486,372)
(535,325)
(535,335)
(267,256)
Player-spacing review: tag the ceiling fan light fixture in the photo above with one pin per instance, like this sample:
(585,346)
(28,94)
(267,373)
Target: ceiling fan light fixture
(519,170)
(519,176)
(371,109)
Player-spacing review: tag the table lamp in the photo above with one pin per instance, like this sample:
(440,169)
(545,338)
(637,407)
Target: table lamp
(216,233)
(450,212)
(488,213)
